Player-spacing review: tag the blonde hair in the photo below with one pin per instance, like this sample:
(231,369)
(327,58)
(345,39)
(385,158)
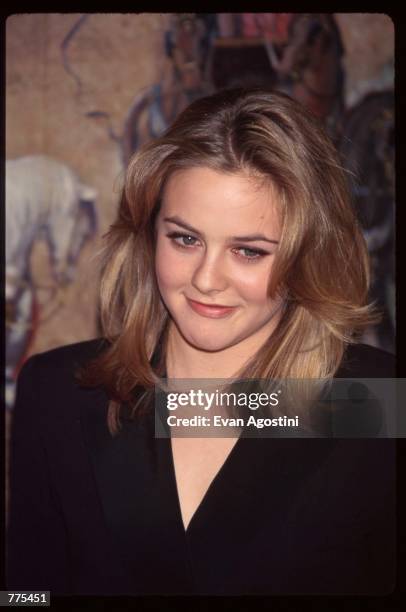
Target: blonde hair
(321,265)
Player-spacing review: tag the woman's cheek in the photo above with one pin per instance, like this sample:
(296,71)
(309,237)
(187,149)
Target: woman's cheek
(170,267)
(253,285)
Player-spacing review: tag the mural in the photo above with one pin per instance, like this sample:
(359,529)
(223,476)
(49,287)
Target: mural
(296,53)
(367,144)
(184,78)
(44,200)
(181,57)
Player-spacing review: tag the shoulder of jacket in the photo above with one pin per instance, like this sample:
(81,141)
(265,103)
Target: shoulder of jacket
(57,368)
(69,355)
(48,381)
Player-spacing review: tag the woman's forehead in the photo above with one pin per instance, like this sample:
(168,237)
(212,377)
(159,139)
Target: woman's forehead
(210,198)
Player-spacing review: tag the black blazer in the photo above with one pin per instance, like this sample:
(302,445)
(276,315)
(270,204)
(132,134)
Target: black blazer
(93,514)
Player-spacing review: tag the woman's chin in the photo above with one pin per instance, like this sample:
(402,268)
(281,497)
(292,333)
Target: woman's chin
(209,345)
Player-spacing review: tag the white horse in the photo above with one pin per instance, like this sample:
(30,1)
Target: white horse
(44,199)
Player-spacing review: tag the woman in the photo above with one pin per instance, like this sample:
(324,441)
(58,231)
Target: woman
(235,254)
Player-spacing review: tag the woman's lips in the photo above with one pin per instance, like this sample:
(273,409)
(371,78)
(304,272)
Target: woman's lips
(213,312)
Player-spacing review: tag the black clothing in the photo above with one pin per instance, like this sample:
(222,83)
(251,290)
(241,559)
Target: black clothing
(96,514)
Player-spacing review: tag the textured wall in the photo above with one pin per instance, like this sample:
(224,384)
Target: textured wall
(113,56)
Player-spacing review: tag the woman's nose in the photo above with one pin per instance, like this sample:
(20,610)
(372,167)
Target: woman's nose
(209,275)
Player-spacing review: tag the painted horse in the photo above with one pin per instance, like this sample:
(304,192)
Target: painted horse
(44,200)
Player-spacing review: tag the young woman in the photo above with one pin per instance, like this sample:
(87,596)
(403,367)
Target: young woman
(235,254)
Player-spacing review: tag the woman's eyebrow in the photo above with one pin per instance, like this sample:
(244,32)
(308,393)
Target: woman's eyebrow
(250,238)
(253,238)
(181,223)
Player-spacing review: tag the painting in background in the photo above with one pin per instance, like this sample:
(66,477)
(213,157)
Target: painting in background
(44,201)
(100,86)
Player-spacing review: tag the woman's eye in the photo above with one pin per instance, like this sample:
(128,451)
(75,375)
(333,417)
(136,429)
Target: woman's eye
(251,254)
(183,240)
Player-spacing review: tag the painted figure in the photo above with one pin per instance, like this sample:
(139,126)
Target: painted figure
(44,200)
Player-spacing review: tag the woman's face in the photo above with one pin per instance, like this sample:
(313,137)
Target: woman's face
(217,235)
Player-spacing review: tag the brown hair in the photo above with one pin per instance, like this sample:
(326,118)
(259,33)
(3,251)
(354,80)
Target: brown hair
(321,263)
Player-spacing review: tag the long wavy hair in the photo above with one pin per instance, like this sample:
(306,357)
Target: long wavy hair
(321,263)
